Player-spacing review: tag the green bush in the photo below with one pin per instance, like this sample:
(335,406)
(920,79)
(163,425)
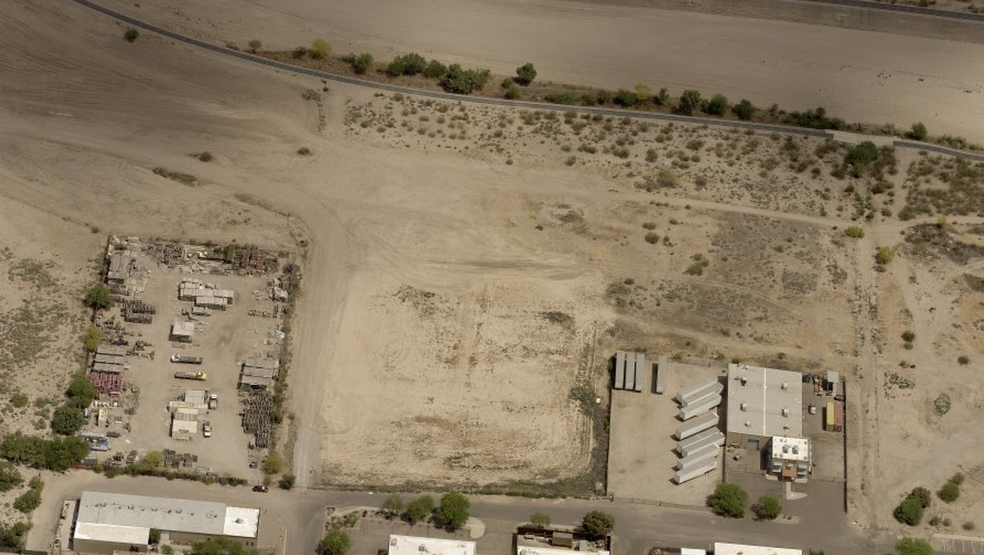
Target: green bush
(949,492)
(464,81)
(861,157)
(908,336)
(418,509)
(435,70)
(254,45)
(361,63)
(131,34)
(413,63)
(287,481)
(744,110)
(453,511)
(221,546)
(396,67)
(67,420)
(909,511)
(56,454)
(768,508)
(335,542)
(922,495)
(525,74)
(690,101)
(643,93)
(320,48)
(28,501)
(10,477)
(598,523)
(884,255)
(19,400)
(155,534)
(562,97)
(729,500)
(81,392)
(855,232)
(13,536)
(625,98)
(814,119)
(274,463)
(717,105)
(98,297)
(918,132)
(541,520)
(393,505)
(662,98)
(511,92)
(913,546)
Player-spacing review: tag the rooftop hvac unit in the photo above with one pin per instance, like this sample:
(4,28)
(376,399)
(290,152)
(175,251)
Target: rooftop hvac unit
(785,386)
(748,424)
(744,406)
(785,412)
(743,380)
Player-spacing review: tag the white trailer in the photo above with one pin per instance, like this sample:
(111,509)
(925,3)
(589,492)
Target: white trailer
(619,370)
(698,438)
(697,425)
(691,394)
(717,439)
(699,458)
(630,371)
(640,371)
(700,407)
(681,477)
(661,366)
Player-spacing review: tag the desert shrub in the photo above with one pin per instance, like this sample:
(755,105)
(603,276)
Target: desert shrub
(909,511)
(855,232)
(957,478)
(963,360)
(922,495)
(453,510)
(418,509)
(221,546)
(884,255)
(396,67)
(968,525)
(361,63)
(435,70)
(652,238)
(861,157)
(625,98)
(413,63)
(19,400)
(299,52)
(254,45)
(744,110)
(667,178)
(320,48)
(130,34)
(717,105)
(814,119)
(28,501)
(729,500)
(562,97)
(598,523)
(511,92)
(525,74)
(335,542)
(10,477)
(98,297)
(287,481)
(393,505)
(304,151)
(768,508)
(464,81)
(918,132)
(949,492)
(205,156)
(908,336)
(913,546)
(274,463)
(643,93)
(13,536)
(539,519)
(662,98)
(155,536)
(690,101)
(67,420)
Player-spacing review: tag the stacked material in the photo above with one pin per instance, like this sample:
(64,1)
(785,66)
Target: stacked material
(700,440)
(630,371)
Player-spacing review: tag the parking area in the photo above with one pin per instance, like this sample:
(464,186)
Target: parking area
(138,418)
(641,446)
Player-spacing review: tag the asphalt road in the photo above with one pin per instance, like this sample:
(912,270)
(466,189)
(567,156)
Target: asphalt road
(764,127)
(902,8)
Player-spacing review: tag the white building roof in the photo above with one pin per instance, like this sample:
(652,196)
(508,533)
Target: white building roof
(764,401)
(524,550)
(183,328)
(133,535)
(241,522)
(411,545)
(738,549)
(791,449)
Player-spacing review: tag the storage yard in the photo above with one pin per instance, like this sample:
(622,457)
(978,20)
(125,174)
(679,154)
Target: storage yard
(189,356)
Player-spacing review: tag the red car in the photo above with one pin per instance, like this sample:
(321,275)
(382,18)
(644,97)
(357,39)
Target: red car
(260,488)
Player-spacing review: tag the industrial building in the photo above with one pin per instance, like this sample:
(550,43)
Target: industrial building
(108,522)
(763,403)
(542,550)
(738,549)
(789,458)
(412,545)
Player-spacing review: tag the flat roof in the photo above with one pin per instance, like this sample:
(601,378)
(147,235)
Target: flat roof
(182,328)
(165,513)
(412,545)
(738,549)
(791,449)
(526,550)
(764,401)
(133,535)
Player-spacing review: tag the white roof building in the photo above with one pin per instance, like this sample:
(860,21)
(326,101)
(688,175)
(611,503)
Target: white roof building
(738,549)
(411,545)
(524,550)
(791,449)
(764,402)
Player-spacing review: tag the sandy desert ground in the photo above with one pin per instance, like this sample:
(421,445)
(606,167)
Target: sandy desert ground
(458,291)
(859,75)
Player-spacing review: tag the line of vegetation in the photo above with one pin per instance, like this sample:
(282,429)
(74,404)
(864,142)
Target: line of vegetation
(410,67)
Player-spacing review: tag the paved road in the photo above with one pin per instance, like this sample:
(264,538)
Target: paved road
(638,527)
(764,127)
(902,8)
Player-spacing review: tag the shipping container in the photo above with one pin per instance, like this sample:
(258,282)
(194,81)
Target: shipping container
(660,368)
(699,458)
(697,425)
(640,371)
(619,370)
(699,389)
(698,438)
(681,477)
(829,419)
(716,438)
(700,407)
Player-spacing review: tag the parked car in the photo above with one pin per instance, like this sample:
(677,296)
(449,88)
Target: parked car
(260,488)
(207,429)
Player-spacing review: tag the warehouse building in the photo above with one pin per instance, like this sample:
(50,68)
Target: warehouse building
(108,522)
(412,545)
(737,549)
(763,403)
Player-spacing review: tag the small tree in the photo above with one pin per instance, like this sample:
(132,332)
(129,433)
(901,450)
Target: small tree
(273,464)
(453,512)
(81,391)
(744,110)
(729,500)
(540,520)
(28,501)
(643,93)
(335,542)
(690,101)
(918,132)
(662,98)
(155,536)
(598,523)
(362,63)
(860,157)
(768,508)
(150,462)
(396,67)
(717,105)
(10,477)
(254,45)
(913,546)
(511,92)
(287,481)
(131,34)
(393,505)
(320,48)
(98,297)
(413,63)
(67,420)
(855,232)
(909,336)
(626,98)
(435,70)
(418,509)
(525,74)
(949,492)
(909,511)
